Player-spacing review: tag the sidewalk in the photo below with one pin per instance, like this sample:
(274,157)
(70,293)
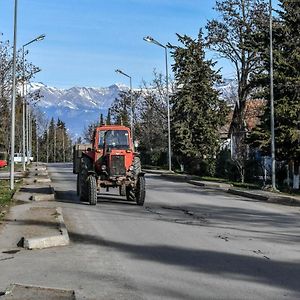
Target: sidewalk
(261,195)
(37,223)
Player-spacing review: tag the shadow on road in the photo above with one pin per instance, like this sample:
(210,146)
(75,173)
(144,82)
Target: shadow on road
(255,269)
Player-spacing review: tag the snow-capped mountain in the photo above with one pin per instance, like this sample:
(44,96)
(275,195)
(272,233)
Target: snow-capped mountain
(80,106)
(77,106)
(228,90)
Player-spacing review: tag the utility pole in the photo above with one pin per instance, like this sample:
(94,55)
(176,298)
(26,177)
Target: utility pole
(13,104)
(272,101)
(150,39)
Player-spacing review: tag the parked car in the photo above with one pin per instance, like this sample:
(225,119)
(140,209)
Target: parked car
(18,158)
(3,159)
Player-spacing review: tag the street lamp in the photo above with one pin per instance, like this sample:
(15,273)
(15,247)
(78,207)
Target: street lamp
(27,127)
(150,39)
(13,103)
(272,100)
(39,38)
(131,100)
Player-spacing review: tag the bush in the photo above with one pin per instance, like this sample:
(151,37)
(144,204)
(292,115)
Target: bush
(226,167)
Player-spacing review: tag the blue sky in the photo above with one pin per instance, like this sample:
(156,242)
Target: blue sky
(86,40)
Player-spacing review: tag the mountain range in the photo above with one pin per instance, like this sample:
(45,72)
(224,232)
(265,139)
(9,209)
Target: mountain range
(79,106)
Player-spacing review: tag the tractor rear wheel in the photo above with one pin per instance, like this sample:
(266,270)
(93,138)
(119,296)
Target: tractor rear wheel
(140,191)
(78,185)
(86,166)
(92,190)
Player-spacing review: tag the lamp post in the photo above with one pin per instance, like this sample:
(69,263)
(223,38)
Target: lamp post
(39,38)
(272,100)
(13,103)
(150,39)
(27,121)
(131,99)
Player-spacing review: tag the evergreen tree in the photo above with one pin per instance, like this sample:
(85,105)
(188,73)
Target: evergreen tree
(101,119)
(108,117)
(51,134)
(120,109)
(197,112)
(89,132)
(286,86)
(151,129)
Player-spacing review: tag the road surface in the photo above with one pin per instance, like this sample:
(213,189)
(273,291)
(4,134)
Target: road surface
(187,242)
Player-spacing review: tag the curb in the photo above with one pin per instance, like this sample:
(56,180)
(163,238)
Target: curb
(278,199)
(248,195)
(44,197)
(183,178)
(51,241)
(158,172)
(222,186)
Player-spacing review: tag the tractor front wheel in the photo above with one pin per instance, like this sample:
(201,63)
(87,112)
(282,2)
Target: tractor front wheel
(92,189)
(140,191)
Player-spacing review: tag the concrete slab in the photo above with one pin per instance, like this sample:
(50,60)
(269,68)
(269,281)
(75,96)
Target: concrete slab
(34,192)
(58,237)
(41,173)
(29,292)
(42,180)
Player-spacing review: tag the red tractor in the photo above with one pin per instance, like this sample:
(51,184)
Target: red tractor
(110,161)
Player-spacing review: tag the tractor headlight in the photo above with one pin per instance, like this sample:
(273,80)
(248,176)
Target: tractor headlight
(103,167)
(131,168)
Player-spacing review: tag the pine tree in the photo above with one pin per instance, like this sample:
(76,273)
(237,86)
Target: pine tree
(197,112)
(101,119)
(108,117)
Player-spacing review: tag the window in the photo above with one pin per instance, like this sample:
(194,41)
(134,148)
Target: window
(117,139)
(101,138)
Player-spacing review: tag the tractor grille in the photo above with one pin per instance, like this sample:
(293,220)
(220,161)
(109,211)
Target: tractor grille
(117,165)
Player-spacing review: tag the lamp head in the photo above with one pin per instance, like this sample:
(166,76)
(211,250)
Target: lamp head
(148,39)
(40,37)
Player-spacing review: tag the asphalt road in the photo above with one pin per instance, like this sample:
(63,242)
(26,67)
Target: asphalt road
(187,242)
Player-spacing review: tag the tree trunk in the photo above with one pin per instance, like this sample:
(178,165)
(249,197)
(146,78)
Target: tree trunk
(296,175)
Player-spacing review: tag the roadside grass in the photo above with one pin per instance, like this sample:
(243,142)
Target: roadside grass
(6,196)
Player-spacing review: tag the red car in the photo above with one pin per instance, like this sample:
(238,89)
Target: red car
(3,163)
